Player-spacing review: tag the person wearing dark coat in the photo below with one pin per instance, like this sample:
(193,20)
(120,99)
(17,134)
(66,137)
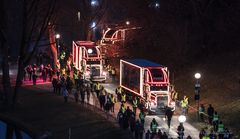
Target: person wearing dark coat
(168,115)
(82,93)
(132,122)
(180,131)
(69,85)
(54,84)
(137,126)
(76,96)
(210,112)
(125,121)
(120,118)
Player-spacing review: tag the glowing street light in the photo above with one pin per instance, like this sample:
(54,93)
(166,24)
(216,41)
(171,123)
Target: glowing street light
(93,25)
(182,118)
(58,36)
(127,22)
(94,3)
(157,5)
(197,75)
(197,91)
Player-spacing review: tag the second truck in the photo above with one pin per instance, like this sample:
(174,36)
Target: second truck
(148,81)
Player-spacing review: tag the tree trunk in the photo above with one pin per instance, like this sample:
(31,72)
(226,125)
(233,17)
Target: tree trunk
(18,80)
(53,46)
(9,132)
(6,78)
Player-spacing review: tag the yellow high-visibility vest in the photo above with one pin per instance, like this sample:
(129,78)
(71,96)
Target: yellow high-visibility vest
(135,103)
(113,99)
(123,109)
(175,96)
(98,86)
(124,97)
(183,104)
(119,90)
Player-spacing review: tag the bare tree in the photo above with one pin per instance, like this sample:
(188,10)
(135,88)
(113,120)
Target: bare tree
(78,16)
(34,18)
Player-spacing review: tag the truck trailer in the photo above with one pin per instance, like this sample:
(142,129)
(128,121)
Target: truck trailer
(148,81)
(87,58)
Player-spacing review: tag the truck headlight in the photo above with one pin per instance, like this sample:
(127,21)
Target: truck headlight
(87,73)
(104,73)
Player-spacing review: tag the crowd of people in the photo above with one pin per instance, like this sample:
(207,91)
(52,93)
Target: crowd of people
(32,72)
(218,129)
(82,89)
(211,116)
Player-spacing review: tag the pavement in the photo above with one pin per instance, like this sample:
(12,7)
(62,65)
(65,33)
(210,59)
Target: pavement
(172,132)
(110,88)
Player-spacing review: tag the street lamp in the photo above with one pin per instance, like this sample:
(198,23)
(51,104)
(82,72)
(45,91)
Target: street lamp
(58,37)
(94,3)
(197,75)
(181,119)
(127,22)
(197,91)
(157,5)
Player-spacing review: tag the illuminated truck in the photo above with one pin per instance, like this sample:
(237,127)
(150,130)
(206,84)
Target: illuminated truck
(87,58)
(148,81)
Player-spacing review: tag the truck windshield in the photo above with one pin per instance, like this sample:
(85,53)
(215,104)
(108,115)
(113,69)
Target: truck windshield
(157,75)
(93,62)
(95,71)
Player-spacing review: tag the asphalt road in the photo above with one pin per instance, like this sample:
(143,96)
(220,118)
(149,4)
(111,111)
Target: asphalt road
(110,88)
(189,129)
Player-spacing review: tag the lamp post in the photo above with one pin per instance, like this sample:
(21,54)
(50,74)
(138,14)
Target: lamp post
(58,37)
(181,119)
(197,91)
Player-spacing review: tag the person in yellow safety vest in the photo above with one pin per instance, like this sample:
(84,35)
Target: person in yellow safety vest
(215,120)
(175,97)
(184,105)
(135,105)
(113,100)
(173,94)
(142,117)
(123,108)
(75,76)
(113,74)
(123,98)
(97,88)
(154,126)
(119,92)
(186,101)
(205,137)
(220,128)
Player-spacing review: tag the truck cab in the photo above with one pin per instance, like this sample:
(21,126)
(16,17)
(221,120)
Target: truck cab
(88,59)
